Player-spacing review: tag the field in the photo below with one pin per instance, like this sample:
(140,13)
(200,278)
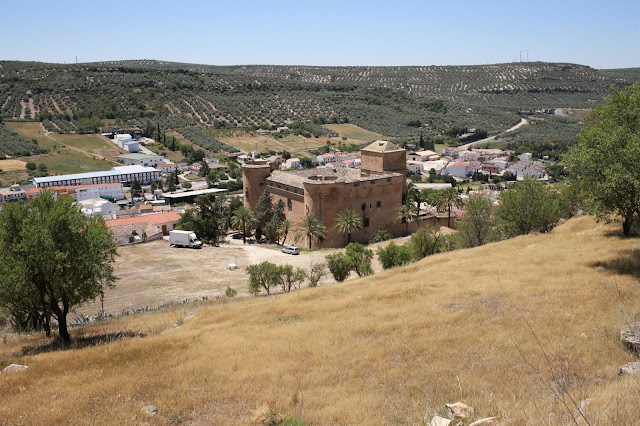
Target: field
(355,134)
(247,142)
(385,100)
(11,165)
(81,153)
(528,337)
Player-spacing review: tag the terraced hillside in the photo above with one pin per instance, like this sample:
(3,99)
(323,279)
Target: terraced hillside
(394,101)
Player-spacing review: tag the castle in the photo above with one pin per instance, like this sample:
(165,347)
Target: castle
(375,191)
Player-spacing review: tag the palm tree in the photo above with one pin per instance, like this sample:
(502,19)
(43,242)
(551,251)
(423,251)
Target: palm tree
(446,199)
(414,195)
(406,213)
(243,219)
(348,221)
(312,228)
(284,228)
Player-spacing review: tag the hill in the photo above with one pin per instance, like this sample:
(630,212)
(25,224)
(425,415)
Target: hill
(524,329)
(398,102)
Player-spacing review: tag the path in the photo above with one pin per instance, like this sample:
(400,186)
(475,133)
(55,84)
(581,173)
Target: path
(490,138)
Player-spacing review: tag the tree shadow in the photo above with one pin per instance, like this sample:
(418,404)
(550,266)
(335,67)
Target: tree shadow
(626,264)
(80,342)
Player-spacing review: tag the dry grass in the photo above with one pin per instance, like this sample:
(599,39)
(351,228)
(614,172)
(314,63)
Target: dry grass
(11,165)
(355,134)
(386,349)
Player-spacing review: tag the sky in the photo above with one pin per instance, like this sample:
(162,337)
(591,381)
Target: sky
(340,33)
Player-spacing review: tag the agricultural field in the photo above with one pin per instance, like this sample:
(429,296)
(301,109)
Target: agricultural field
(398,102)
(250,141)
(355,134)
(81,153)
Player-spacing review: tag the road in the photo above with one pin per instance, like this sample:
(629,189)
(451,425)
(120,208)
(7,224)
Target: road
(490,138)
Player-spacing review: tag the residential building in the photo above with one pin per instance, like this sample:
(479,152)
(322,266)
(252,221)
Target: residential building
(426,155)
(527,156)
(128,230)
(415,167)
(146,160)
(292,163)
(123,174)
(527,168)
(329,157)
(12,193)
(166,168)
(491,168)
(461,170)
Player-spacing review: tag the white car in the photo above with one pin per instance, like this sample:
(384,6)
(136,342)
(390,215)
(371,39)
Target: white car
(291,250)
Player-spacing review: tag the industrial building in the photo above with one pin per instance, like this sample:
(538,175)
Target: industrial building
(111,191)
(124,174)
(145,160)
(375,191)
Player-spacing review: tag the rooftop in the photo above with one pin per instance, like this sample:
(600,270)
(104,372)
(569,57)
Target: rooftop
(153,218)
(115,171)
(192,193)
(328,174)
(136,156)
(382,146)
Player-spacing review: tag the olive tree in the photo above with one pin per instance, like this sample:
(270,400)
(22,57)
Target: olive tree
(605,159)
(53,259)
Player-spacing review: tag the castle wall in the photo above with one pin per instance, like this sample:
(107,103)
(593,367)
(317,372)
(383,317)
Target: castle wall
(254,180)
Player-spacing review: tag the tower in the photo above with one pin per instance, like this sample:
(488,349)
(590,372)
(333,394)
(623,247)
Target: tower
(254,180)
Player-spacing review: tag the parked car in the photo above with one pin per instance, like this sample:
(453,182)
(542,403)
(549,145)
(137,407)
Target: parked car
(291,250)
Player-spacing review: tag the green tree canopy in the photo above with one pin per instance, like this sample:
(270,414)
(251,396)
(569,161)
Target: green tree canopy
(53,259)
(529,206)
(476,227)
(243,220)
(446,200)
(607,154)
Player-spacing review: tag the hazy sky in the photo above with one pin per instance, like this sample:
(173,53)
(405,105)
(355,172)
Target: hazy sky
(602,34)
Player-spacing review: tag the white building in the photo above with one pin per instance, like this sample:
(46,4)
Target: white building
(292,163)
(123,174)
(461,170)
(414,167)
(120,140)
(131,146)
(527,156)
(13,193)
(99,206)
(145,160)
(423,156)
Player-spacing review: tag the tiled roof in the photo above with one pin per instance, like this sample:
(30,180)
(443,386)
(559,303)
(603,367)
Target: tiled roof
(154,218)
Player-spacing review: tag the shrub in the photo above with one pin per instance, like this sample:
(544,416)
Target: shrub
(425,242)
(379,236)
(360,258)
(31,166)
(394,255)
(315,274)
(339,265)
(230,292)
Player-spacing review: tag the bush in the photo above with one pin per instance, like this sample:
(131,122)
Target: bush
(315,274)
(186,185)
(339,266)
(31,166)
(360,258)
(425,242)
(394,255)
(230,292)
(379,236)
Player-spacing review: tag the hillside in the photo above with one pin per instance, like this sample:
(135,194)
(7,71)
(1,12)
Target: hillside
(385,100)
(499,327)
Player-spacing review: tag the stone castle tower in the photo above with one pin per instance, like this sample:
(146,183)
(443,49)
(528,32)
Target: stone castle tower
(254,181)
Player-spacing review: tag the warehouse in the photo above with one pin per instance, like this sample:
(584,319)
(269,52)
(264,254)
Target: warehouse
(124,174)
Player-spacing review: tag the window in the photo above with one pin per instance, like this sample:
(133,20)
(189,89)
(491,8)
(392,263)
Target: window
(363,206)
(366,222)
(289,205)
(378,203)
(370,205)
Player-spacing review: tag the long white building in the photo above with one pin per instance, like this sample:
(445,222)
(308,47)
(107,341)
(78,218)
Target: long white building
(124,175)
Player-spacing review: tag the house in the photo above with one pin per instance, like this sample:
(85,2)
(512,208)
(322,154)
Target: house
(11,194)
(448,151)
(527,156)
(461,170)
(438,165)
(491,168)
(526,168)
(166,168)
(128,230)
(423,156)
(415,167)
(292,163)
(329,157)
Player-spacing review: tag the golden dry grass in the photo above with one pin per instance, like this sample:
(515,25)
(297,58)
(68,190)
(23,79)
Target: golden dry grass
(388,349)
(11,165)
